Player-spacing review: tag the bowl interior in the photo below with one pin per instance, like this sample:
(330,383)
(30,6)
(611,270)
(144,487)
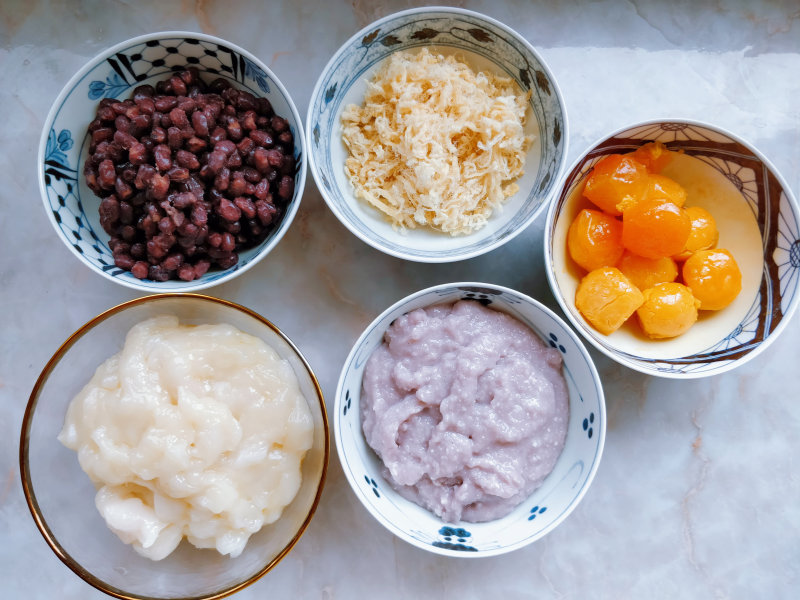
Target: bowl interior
(484,45)
(73,207)
(64,496)
(757,222)
(547,506)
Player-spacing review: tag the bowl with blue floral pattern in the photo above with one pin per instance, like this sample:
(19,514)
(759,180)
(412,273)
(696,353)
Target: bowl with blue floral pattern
(483,44)
(547,506)
(758,222)
(73,208)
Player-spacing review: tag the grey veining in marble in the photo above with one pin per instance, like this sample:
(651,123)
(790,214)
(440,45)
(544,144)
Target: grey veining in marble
(698,493)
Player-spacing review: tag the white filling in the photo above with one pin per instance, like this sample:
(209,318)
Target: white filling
(195,432)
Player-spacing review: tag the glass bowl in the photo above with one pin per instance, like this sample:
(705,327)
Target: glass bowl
(61,496)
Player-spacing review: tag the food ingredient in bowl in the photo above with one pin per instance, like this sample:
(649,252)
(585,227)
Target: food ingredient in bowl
(703,235)
(189,175)
(646,272)
(616,179)
(594,240)
(435,144)
(195,431)
(660,187)
(606,298)
(653,155)
(466,407)
(714,278)
(654,228)
(668,310)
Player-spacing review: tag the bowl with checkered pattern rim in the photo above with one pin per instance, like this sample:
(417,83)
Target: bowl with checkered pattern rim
(72,207)
(548,506)
(484,44)
(758,220)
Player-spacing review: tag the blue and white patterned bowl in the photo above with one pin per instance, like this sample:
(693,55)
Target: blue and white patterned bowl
(548,506)
(73,208)
(485,44)
(758,220)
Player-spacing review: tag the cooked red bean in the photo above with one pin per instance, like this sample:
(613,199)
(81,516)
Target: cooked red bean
(187,159)
(228,210)
(174,137)
(163,157)
(218,135)
(122,123)
(223,178)
(286,187)
(178,174)
(178,85)
(234,161)
(158,187)
(186,272)
(140,269)
(122,189)
(252,175)
(182,200)
(246,206)
(165,104)
(195,144)
(137,154)
(106,174)
(266,211)
(279,124)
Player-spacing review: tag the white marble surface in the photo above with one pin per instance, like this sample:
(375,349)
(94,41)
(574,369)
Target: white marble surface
(698,493)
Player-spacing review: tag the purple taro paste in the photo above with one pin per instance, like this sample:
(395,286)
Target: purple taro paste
(467,409)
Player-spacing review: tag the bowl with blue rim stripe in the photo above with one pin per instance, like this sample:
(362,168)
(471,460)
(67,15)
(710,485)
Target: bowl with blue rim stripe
(548,506)
(485,45)
(72,207)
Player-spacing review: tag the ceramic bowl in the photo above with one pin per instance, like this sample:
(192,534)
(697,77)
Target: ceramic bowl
(758,221)
(73,208)
(61,496)
(484,44)
(548,506)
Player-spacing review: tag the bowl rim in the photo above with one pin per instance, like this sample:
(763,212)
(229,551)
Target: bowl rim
(390,525)
(89,65)
(443,258)
(581,328)
(24,467)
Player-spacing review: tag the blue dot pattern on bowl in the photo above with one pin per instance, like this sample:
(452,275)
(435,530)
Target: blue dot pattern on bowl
(114,78)
(772,210)
(454,538)
(347,402)
(587,425)
(536,510)
(373,485)
(553,339)
(454,30)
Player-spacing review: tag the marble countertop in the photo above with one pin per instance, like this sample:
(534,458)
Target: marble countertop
(698,493)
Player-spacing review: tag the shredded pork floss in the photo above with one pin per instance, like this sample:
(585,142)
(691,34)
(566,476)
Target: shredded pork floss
(435,144)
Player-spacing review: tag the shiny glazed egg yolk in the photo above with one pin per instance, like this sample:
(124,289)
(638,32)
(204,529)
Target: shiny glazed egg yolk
(668,310)
(654,156)
(594,240)
(703,235)
(714,278)
(654,228)
(615,179)
(646,272)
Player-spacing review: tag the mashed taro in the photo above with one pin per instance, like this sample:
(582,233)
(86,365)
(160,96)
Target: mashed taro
(467,409)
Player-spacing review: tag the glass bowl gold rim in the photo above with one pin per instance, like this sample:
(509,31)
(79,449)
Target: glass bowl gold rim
(27,487)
